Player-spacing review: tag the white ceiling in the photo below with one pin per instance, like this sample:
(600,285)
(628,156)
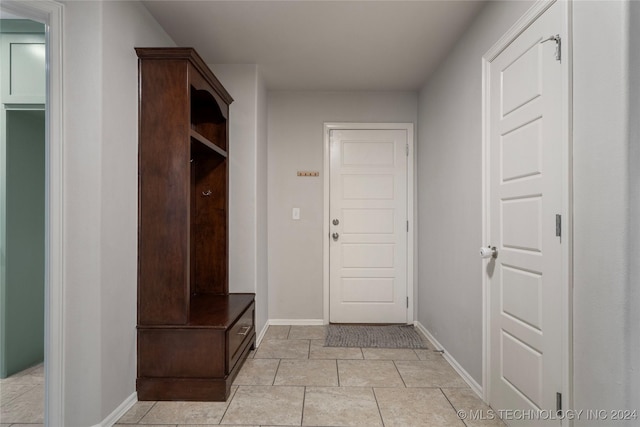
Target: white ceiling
(322,45)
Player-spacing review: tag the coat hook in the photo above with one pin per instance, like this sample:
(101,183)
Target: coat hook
(206,193)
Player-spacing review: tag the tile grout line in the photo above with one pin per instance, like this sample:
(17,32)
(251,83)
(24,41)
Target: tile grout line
(146,413)
(450,403)
(304,397)
(399,374)
(228,404)
(375,396)
(273,382)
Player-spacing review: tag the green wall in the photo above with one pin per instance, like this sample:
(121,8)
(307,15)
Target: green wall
(23,315)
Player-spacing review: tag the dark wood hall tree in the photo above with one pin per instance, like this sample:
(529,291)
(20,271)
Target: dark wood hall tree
(193,335)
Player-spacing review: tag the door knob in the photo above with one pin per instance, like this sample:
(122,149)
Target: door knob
(335,236)
(335,221)
(488,252)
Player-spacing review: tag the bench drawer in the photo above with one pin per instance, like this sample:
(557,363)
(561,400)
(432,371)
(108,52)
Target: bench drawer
(239,335)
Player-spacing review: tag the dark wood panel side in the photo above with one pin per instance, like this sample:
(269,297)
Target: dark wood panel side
(193,224)
(181,353)
(210,236)
(163,193)
(211,176)
(183,389)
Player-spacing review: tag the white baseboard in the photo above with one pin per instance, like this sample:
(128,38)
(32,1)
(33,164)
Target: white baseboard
(453,362)
(113,417)
(296,322)
(261,334)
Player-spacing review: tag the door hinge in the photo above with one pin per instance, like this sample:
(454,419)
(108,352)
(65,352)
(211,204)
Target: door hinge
(407,226)
(558,225)
(407,149)
(559,403)
(558,41)
(407,302)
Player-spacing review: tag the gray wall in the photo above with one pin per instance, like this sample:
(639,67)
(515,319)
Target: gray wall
(82,201)
(262,247)
(241,82)
(450,190)
(295,133)
(633,298)
(23,297)
(606,202)
(247,179)
(100,202)
(605,179)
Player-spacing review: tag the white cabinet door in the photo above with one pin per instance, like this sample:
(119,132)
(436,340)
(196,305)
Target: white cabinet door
(23,68)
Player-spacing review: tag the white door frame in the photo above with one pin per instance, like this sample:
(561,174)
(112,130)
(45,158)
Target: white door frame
(51,14)
(567,193)
(408,127)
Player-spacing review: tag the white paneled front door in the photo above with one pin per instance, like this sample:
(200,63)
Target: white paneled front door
(525,280)
(368,230)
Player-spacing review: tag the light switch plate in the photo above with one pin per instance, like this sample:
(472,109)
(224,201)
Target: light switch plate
(295,213)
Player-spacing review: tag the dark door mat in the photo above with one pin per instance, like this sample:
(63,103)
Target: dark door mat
(374,336)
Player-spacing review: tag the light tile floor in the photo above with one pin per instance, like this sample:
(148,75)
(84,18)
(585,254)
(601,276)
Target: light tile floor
(22,398)
(293,380)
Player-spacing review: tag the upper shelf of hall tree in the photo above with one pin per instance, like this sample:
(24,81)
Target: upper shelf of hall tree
(209,100)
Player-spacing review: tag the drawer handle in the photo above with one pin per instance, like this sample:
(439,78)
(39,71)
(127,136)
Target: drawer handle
(246,330)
